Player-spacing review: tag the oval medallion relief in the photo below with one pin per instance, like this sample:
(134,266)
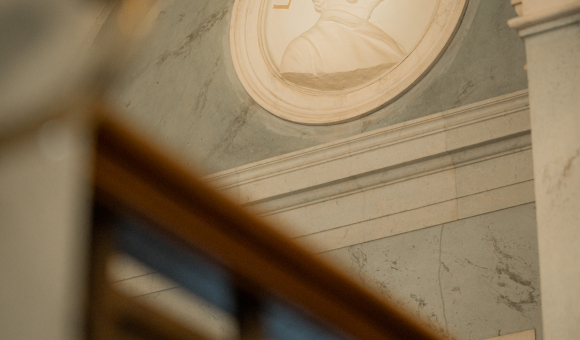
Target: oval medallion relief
(330,61)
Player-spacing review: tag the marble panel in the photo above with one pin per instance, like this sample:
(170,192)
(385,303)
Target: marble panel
(369,204)
(475,278)
(500,267)
(501,198)
(489,129)
(317,217)
(381,227)
(403,269)
(478,187)
(416,219)
(494,173)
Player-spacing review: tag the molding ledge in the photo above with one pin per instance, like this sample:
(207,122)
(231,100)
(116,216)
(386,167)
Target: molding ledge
(437,169)
(379,149)
(537,22)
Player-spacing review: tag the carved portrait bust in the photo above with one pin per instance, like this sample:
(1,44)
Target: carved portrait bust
(331,61)
(342,49)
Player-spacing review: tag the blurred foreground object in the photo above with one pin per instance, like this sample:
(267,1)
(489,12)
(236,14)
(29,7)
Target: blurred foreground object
(60,54)
(77,190)
(56,57)
(151,209)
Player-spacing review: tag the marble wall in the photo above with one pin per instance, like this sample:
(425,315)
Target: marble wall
(437,213)
(472,279)
(551,29)
(430,207)
(476,278)
(433,170)
(183,90)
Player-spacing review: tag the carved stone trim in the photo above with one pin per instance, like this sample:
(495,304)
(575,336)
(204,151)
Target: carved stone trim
(434,170)
(399,145)
(559,16)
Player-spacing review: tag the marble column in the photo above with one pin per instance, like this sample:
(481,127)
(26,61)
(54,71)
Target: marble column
(551,31)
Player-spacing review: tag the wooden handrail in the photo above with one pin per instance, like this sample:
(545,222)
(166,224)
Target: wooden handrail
(132,176)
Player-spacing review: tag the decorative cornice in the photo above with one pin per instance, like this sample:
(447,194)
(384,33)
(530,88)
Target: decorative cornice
(539,21)
(389,176)
(434,170)
(421,140)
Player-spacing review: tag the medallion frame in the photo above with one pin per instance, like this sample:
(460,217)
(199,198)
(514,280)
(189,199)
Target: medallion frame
(291,102)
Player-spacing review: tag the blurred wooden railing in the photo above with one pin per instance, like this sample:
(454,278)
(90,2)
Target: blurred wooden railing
(150,207)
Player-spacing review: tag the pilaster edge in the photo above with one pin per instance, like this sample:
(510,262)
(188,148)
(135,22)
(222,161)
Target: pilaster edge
(523,23)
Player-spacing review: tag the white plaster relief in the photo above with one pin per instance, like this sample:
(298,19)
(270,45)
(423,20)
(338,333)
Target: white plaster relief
(342,50)
(332,61)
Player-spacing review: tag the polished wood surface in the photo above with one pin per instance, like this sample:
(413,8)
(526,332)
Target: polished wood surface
(132,175)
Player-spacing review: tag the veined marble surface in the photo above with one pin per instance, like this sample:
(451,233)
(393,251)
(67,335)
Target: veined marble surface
(437,213)
(183,90)
(473,279)
(551,30)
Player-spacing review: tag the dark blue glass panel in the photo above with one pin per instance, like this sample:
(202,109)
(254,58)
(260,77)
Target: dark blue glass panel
(193,272)
(283,322)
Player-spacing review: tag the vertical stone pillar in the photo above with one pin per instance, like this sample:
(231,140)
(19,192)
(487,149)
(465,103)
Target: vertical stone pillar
(551,31)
